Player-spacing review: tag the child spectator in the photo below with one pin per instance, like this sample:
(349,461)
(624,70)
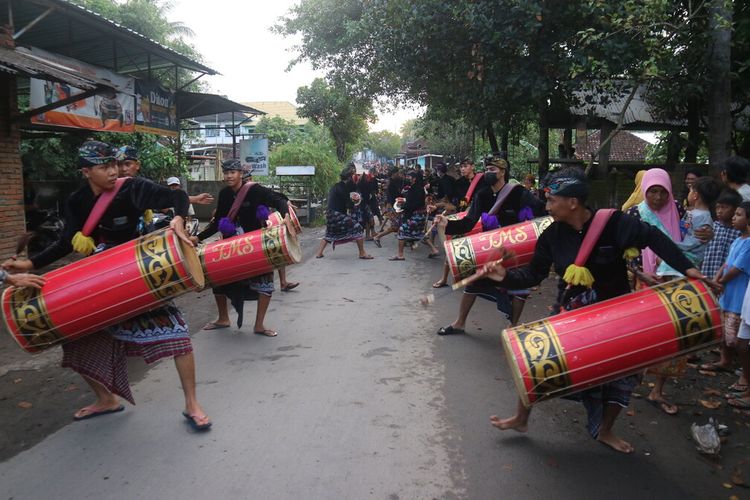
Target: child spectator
(739,394)
(702,196)
(724,233)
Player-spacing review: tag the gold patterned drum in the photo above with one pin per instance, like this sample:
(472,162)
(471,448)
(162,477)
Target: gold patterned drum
(466,254)
(585,347)
(102,290)
(250,254)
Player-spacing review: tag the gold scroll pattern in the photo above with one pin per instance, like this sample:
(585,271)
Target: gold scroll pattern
(156,262)
(30,316)
(273,247)
(689,311)
(544,360)
(463,255)
(541,223)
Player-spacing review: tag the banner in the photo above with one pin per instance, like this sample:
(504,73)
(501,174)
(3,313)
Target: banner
(254,155)
(112,113)
(155,109)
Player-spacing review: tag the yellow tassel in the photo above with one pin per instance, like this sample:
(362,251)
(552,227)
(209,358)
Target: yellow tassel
(577,275)
(631,253)
(148,216)
(83,244)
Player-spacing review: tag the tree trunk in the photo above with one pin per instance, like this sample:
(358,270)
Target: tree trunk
(720,94)
(543,146)
(694,131)
(568,142)
(491,137)
(604,148)
(673,150)
(504,141)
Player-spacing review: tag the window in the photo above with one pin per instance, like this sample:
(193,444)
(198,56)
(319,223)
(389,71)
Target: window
(212,131)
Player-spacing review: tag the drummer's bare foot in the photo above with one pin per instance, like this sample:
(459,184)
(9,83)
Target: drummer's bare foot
(614,442)
(517,423)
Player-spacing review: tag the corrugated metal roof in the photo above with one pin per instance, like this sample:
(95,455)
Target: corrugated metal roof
(80,33)
(192,105)
(21,61)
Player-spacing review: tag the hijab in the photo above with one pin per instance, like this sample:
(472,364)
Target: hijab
(637,195)
(668,216)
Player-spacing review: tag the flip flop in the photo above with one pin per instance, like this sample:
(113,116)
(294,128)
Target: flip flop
(739,403)
(441,285)
(663,405)
(366,257)
(267,333)
(397,258)
(714,367)
(450,330)
(377,242)
(433,255)
(289,286)
(214,326)
(195,425)
(99,413)
(738,388)
(319,256)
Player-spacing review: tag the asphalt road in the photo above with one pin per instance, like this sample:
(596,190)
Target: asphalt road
(357,398)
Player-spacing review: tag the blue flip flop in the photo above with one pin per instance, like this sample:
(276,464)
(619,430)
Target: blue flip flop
(195,425)
(99,413)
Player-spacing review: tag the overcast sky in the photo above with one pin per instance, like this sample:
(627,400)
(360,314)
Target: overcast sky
(235,40)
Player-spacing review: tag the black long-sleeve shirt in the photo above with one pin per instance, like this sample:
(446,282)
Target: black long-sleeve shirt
(394,190)
(120,221)
(462,184)
(414,196)
(483,201)
(445,188)
(558,246)
(247,218)
(338,197)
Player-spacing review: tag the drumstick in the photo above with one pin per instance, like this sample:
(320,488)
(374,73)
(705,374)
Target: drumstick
(479,274)
(433,223)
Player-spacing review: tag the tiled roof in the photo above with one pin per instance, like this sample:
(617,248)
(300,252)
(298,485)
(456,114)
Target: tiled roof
(624,147)
(283,109)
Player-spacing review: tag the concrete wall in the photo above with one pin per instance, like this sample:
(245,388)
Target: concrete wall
(12,221)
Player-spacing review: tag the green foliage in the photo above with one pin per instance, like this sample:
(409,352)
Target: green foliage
(279,131)
(310,151)
(384,144)
(343,114)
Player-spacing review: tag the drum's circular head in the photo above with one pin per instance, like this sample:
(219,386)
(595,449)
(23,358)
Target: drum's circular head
(293,249)
(295,221)
(192,262)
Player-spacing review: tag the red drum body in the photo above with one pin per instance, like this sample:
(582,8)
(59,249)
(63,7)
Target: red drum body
(466,254)
(458,216)
(586,347)
(276,219)
(250,254)
(101,290)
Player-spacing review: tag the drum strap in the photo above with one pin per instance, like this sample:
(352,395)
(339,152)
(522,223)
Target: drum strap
(502,195)
(239,200)
(101,206)
(473,186)
(576,273)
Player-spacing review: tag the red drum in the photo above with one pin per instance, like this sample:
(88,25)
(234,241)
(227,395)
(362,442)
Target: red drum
(578,349)
(101,290)
(458,216)
(276,219)
(466,254)
(250,254)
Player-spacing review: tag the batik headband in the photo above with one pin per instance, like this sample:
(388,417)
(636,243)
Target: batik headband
(569,187)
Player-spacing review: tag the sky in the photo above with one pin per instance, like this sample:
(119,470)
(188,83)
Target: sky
(235,40)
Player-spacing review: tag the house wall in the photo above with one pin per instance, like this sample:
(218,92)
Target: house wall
(12,220)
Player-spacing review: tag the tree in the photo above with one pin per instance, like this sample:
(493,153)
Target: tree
(384,144)
(343,114)
(278,131)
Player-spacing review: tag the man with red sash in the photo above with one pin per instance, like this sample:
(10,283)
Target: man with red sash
(496,204)
(101,358)
(250,215)
(558,246)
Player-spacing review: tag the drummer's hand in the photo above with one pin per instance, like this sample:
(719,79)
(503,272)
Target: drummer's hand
(202,199)
(25,279)
(14,265)
(178,226)
(696,274)
(194,240)
(291,205)
(431,208)
(494,271)
(441,221)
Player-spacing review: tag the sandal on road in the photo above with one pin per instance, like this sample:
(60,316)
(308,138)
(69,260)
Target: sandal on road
(266,333)
(289,286)
(214,326)
(740,403)
(91,412)
(663,405)
(439,284)
(715,367)
(396,257)
(193,421)
(450,330)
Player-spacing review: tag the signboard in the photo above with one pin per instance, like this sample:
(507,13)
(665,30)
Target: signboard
(254,155)
(155,109)
(112,113)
